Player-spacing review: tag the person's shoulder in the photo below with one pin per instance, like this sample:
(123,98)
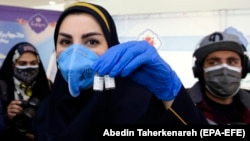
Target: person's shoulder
(245,90)
(195,92)
(244,95)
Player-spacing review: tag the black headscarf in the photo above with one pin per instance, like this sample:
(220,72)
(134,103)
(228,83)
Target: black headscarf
(105,20)
(63,117)
(101,15)
(40,88)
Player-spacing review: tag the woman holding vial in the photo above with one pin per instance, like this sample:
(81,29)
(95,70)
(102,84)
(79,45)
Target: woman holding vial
(142,90)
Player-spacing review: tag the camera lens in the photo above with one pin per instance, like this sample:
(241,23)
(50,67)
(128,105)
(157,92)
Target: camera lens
(22,123)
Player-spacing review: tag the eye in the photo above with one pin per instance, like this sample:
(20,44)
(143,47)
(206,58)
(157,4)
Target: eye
(92,42)
(233,62)
(34,63)
(21,63)
(65,42)
(213,62)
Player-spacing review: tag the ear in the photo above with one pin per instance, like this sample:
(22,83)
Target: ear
(197,70)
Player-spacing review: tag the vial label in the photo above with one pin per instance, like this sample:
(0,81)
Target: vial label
(109,82)
(98,83)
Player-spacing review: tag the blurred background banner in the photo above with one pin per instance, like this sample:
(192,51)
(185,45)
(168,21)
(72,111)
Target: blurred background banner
(175,33)
(25,24)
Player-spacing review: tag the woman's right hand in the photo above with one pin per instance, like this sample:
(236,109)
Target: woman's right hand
(14,108)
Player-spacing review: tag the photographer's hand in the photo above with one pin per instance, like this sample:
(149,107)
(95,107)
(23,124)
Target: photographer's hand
(30,136)
(14,108)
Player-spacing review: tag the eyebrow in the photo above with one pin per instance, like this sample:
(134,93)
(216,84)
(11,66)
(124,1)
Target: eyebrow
(83,36)
(212,58)
(90,34)
(65,35)
(229,57)
(27,61)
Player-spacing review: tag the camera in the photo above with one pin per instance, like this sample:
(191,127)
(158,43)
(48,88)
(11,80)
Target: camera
(23,121)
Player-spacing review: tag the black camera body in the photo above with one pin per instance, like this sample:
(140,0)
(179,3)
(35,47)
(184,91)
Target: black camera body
(23,121)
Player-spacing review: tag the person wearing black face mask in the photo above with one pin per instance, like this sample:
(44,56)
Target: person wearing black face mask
(23,85)
(220,64)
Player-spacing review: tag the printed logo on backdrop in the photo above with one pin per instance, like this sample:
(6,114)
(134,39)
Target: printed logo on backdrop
(38,23)
(151,37)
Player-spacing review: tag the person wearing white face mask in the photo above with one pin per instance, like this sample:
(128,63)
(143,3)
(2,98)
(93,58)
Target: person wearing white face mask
(220,64)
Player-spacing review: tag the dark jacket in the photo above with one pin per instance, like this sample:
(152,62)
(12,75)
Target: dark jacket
(2,118)
(241,99)
(62,117)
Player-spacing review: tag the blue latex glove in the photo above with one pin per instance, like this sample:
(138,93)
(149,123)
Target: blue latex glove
(140,61)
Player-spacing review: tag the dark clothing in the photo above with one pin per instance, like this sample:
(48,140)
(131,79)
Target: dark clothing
(40,89)
(62,117)
(238,112)
(2,119)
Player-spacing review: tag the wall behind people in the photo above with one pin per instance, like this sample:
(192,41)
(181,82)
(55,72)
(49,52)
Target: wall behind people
(25,24)
(176,34)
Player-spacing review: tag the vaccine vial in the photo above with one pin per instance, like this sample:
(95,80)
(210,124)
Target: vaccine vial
(98,83)
(109,82)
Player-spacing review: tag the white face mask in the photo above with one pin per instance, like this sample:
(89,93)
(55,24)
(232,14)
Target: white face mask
(223,80)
